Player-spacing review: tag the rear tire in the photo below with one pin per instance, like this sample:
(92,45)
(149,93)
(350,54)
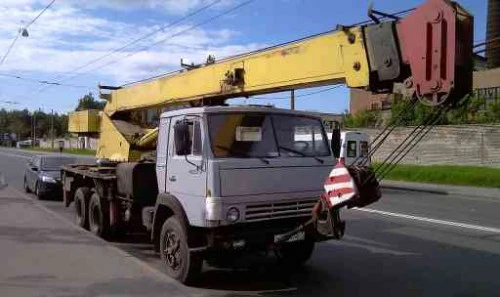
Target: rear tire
(180,263)
(98,216)
(26,186)
(82,197)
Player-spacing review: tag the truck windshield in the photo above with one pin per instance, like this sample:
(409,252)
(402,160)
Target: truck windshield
(258,135)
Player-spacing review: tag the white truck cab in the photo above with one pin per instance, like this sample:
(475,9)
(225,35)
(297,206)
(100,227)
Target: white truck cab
(232,179)
(241,165)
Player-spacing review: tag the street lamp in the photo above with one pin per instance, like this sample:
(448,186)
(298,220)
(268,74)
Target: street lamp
(24,32)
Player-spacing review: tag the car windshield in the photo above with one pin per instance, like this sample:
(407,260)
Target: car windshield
(55,163)
(266,135)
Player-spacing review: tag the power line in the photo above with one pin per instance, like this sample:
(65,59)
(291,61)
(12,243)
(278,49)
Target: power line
(147,35)
(211,19)
(399,13)
(9,102)
(45,82)
(40,14)
(24,31)
(297,96)
(10,48)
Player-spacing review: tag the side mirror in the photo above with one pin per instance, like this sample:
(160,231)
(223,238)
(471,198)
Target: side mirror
(182,139)
(336,142)
(34,168)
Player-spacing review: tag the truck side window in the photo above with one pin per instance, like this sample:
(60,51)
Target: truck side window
(363,148)
(351,149)
(195,136)
(196,140)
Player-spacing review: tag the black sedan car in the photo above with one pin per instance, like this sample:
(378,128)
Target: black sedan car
(43,175)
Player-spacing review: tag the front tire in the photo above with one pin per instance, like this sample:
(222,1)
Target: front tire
(82,197)
(38,193)
(98,217)
(26,186)
(180,263)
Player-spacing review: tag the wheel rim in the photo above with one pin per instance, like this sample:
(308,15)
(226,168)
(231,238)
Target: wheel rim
(172,251)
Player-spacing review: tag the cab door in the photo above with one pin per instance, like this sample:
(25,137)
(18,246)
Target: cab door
(162,153)
(186,174)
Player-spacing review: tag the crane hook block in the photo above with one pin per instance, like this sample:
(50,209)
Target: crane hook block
(441,62)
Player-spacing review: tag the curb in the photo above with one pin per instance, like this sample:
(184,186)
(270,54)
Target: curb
(463,191)
(415,189)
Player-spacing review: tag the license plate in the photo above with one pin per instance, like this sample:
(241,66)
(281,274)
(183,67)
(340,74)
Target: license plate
(296,237)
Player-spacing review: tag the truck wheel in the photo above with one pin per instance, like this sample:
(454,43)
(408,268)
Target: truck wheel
(180,263)
(26,187)
(98,217)
(81,206)
(296,253)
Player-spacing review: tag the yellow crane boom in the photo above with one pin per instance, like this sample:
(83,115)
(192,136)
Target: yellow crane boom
(430,50)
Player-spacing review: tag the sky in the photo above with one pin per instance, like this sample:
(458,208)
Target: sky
(73,33)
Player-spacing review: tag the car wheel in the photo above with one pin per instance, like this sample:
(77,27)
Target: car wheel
(26,186)
(180,263)
(38,192)
(98,216)
(82,197)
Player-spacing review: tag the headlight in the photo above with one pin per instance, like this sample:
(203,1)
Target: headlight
(48,179)
(233,214)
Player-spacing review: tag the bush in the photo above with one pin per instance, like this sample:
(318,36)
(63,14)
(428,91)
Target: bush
(364,118)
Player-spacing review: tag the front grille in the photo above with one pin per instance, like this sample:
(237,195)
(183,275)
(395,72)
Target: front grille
(279,210)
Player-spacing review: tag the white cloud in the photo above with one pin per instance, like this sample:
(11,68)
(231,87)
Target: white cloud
(168,6)
(67,36)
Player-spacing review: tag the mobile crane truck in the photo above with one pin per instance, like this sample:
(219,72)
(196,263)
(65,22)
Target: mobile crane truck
(210,179)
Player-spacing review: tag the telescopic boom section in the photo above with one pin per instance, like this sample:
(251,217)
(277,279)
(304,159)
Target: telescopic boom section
(429,50)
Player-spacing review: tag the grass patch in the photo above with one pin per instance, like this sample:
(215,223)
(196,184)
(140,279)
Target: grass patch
(73,151)
(447,174)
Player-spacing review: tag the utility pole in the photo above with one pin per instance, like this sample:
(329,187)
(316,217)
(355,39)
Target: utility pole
(52,128)
(292,100)
(33,134)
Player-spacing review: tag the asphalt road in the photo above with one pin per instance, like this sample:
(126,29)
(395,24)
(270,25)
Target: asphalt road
(408,244)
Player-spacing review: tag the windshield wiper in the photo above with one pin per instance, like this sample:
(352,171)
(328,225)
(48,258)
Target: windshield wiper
(300,153)
(241,153)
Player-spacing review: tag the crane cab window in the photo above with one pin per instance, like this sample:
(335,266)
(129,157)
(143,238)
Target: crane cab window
(351,149)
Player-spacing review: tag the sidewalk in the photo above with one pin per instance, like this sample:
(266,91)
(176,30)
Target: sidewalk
(442,189)
(44,255)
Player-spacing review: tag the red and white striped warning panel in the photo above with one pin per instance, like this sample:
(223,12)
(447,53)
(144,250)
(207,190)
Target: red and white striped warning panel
(339,186)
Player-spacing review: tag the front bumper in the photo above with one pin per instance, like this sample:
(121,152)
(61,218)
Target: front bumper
(257,234)
(53,189)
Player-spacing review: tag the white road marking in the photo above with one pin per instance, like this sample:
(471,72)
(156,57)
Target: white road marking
(429,220)
(15,155)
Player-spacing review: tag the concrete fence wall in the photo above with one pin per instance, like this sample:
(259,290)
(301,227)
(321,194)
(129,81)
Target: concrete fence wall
(71,143)
(450,144)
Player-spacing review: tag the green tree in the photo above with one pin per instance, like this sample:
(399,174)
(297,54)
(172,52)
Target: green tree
(89,102)
(364,119)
